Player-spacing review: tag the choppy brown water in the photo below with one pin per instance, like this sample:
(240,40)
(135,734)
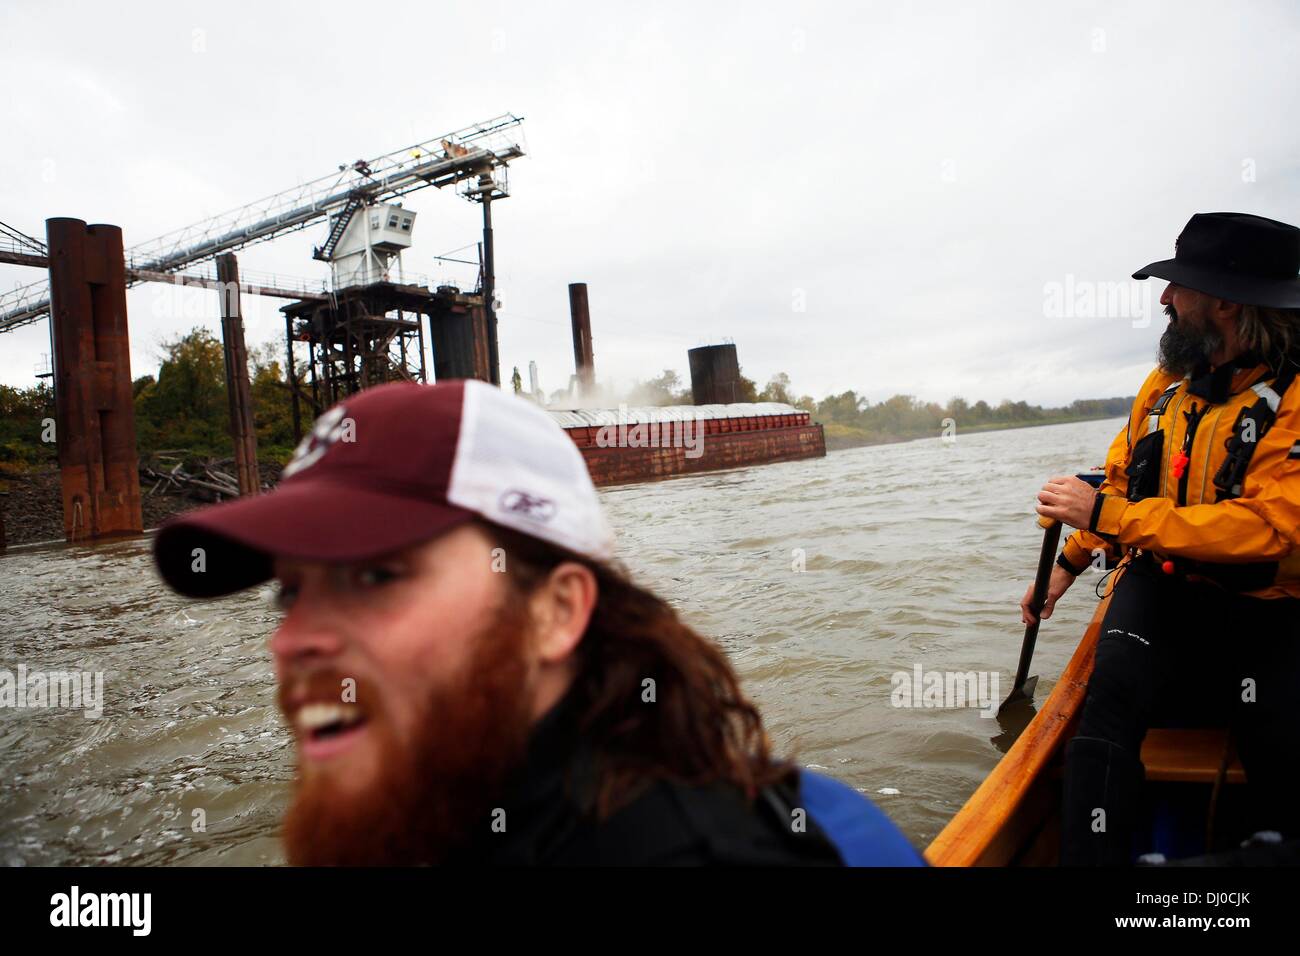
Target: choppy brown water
(915,553)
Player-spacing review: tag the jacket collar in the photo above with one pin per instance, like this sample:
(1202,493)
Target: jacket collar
(558,759)
(1215,385)
(550,793)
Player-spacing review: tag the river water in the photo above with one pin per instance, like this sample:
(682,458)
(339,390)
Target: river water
(821,579)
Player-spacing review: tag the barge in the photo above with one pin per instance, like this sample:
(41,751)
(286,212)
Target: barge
(626,445)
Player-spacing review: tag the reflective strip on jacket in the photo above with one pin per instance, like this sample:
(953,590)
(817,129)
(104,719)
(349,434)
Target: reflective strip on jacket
(1183,520)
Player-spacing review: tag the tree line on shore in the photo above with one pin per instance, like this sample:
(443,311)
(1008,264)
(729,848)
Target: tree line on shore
(850,419)
(185,407)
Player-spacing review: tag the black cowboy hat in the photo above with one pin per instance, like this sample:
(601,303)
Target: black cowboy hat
(1237,257)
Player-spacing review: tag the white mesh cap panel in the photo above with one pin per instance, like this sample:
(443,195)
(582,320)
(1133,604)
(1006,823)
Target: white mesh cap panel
(515,466)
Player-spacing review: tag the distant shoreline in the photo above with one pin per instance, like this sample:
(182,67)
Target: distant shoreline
(845,442)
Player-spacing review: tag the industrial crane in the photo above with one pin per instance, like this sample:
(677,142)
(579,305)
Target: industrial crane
(476,155)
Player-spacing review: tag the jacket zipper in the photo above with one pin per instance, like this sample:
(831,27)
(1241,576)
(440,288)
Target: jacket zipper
(1189,439)
(1167,457)
(1209,450)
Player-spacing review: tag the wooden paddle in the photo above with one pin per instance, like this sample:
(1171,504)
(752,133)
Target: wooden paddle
(1024,686)
(1023,689)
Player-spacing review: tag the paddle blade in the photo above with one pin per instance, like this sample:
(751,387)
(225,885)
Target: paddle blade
(1024,692)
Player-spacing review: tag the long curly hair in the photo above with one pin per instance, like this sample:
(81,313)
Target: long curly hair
(701,729)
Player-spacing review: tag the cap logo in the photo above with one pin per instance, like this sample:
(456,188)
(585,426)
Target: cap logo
(329,428)
(529,506)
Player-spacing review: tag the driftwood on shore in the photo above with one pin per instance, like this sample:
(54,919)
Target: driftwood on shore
(202,479)
(172,481)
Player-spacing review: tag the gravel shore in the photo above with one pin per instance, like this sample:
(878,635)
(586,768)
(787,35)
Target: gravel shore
(32,509)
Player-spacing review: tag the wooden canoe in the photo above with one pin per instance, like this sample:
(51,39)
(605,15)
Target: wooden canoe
(1013,819)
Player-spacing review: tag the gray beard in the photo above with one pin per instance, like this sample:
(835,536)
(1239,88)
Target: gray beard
(1183,349)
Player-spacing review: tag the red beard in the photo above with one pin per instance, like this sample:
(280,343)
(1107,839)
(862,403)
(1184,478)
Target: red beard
(436,795)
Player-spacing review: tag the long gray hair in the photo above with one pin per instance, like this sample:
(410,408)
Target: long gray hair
(1273,333)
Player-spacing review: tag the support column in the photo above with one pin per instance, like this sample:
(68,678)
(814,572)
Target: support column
(460,341)
(95,414)
(243,430)
(292,373)
(419,329)
(489,290)
(583,361)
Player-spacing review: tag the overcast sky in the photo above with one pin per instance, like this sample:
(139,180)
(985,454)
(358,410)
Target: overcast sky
(878,196)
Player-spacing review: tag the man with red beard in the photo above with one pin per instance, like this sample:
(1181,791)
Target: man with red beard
(469,676)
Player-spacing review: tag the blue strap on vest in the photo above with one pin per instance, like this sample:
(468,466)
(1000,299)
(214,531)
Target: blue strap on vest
(861,833)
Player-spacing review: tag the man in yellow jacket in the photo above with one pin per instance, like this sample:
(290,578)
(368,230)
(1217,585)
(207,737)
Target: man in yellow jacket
(1201,506)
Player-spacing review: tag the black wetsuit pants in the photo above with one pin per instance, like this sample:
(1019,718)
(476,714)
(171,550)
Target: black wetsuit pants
(1180,653)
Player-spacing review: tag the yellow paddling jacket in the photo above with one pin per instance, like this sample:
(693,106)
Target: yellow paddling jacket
(1167,491)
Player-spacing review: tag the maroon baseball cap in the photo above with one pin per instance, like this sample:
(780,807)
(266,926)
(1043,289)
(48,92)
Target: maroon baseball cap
(389,468)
